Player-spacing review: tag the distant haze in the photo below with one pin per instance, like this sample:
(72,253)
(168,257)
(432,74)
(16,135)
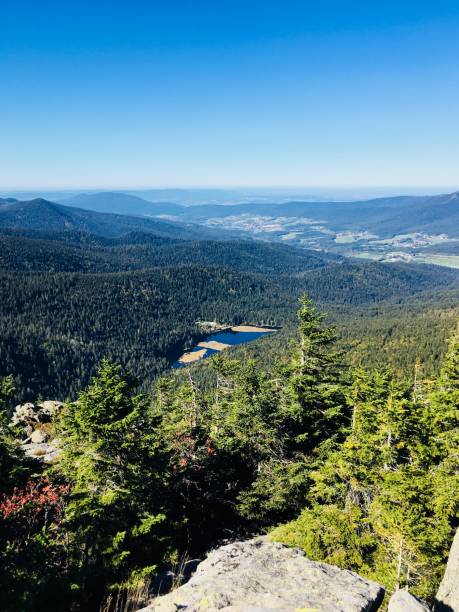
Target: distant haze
(191,196)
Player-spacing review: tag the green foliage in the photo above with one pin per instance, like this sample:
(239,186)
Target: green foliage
(367,463)
(111,458)
(69,297)
(247,445)
(11,464)
(385,501)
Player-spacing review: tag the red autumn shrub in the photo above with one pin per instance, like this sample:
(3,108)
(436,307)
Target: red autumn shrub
(37,506)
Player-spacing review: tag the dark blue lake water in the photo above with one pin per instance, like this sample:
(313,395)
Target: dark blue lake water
(225,337)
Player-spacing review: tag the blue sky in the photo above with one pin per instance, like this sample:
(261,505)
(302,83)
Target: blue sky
(229,93)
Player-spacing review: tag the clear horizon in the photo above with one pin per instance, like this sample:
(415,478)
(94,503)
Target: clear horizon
(249,96)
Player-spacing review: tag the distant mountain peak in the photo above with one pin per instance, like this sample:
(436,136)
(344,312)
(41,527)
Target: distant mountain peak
(122,203)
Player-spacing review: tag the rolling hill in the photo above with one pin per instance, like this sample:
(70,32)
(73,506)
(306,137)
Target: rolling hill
(41,214)
(67,298)
(384,216)
(122,204)
(81,252)
(385,229)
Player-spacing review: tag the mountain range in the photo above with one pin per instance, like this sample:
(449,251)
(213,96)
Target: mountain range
(123,204)
(40,214)
(384,216)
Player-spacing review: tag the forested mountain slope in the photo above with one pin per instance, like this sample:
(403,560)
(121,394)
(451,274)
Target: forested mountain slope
(392,333)
(70,297)
(42,215)
(339,278)
(355,282)
(384,216)
(74,252)
(57,326)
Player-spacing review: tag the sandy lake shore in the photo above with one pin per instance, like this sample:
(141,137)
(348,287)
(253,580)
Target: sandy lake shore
(251,328)
(192,357)
(213,344)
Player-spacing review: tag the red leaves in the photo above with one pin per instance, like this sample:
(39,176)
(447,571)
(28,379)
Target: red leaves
(35,509)
(190,452)
(34,498)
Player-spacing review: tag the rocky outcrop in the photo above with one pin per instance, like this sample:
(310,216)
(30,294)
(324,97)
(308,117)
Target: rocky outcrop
(447,598)
(259,575)
(27,415)
(35,421)
(402,601)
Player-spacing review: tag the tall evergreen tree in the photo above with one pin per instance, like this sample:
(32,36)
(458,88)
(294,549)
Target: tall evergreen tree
(385,501)
(11,462)
(111,457)
(312,383)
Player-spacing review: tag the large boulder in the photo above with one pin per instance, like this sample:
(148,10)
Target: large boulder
(43,452)
(24,414)
(402,601)
(49,408)
(447,598)
(259,575)
(35,420)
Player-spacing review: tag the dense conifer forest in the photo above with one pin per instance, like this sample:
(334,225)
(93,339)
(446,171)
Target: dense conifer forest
(338,437)
(69,298)
(354,465)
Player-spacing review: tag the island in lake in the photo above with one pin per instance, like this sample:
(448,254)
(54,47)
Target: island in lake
(221,340)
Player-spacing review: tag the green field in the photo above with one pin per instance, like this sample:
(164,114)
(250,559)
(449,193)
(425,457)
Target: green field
(449,261)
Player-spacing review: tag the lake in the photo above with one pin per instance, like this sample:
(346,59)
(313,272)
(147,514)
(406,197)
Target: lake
(217,342)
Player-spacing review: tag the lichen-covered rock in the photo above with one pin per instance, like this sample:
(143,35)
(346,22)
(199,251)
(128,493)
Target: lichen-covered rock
(50,408)
(38,436)
(35,420)
(447,599)
(402,601)
(260,575)
(24,414)
(44,452)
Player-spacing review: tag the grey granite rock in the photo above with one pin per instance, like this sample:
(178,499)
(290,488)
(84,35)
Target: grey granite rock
(24,414)
(447,599)
(260,575)
(402,601)
(43,452)
(38,436)
(50,408)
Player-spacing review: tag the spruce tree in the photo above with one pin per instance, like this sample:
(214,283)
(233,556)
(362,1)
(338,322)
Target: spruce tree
(313,398)
(385,501)
(111,457)
(12,463)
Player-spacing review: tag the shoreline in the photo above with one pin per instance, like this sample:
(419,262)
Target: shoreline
(193,356)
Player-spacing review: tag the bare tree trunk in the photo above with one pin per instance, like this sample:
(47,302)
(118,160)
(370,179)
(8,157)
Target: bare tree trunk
(354,417)
(417,367)
(399,563)
(194,412)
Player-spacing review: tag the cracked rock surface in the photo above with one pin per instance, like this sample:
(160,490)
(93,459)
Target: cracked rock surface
(259,575)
